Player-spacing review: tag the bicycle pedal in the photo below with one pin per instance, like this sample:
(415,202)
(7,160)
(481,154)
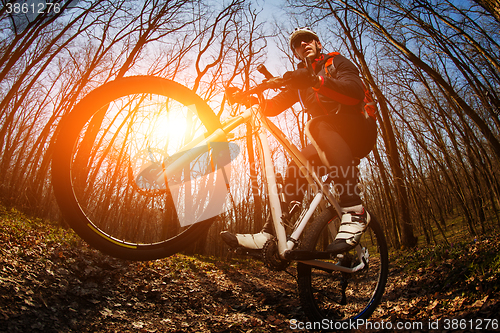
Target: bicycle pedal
(248,252)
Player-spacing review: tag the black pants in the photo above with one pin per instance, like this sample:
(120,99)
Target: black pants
(339,141)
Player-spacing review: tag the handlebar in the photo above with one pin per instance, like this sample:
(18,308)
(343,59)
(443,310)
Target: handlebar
(271,82)
(263,70)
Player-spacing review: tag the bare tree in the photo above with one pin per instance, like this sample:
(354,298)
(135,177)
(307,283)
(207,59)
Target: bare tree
(492,6)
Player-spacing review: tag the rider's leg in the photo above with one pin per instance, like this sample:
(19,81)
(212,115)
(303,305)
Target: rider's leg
(337,144)
(338,140)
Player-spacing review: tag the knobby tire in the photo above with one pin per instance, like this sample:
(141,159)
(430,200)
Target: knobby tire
(76,125)
(319,291)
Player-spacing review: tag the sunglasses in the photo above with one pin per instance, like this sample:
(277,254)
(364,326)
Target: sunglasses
(306,39)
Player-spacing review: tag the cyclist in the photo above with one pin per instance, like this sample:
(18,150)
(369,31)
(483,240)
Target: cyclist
(340,130)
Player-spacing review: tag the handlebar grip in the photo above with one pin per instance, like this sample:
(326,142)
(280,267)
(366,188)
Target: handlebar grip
(263,70)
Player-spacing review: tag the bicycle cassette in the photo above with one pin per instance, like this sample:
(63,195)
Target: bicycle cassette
(271,257)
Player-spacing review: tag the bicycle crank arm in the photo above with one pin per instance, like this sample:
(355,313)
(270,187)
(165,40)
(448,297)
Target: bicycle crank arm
(248,252)
(307,255)
(330,266)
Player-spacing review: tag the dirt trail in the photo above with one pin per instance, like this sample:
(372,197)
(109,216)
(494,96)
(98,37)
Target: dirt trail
(46,287)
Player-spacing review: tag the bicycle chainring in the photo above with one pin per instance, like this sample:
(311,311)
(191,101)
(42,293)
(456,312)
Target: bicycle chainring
(271,256)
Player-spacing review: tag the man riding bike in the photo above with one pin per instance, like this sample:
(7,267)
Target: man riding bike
(340,130)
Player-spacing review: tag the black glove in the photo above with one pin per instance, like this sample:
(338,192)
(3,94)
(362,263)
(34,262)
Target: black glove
(301,78)
(234,95)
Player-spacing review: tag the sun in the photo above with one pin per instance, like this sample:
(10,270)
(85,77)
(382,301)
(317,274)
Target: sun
(149,129)
(162,128)
(170,126)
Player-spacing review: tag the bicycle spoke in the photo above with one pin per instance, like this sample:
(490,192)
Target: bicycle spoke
(110,165)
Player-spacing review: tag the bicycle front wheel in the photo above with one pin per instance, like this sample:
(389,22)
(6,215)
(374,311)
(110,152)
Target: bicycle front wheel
(338,296)
(109,169)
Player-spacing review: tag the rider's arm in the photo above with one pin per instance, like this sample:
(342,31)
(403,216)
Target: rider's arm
(344,85)
(280,102)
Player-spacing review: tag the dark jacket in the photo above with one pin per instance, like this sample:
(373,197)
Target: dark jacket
(340,92)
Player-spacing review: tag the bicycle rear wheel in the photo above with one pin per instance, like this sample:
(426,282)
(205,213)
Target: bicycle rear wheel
(110,161)
(337,296)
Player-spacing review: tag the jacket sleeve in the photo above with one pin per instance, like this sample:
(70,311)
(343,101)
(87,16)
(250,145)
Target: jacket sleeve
(344,85)
(281,102)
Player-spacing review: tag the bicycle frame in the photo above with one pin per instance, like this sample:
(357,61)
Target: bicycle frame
(259,121)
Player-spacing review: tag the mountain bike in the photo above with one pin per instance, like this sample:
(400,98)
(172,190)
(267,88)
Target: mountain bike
(139,196)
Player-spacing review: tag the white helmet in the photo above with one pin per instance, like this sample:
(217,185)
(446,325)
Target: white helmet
(298,32)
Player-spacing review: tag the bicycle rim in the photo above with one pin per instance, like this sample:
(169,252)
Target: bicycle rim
(338,296)
(109,169)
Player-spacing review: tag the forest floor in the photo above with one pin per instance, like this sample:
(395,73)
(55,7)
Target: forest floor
(51,282)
